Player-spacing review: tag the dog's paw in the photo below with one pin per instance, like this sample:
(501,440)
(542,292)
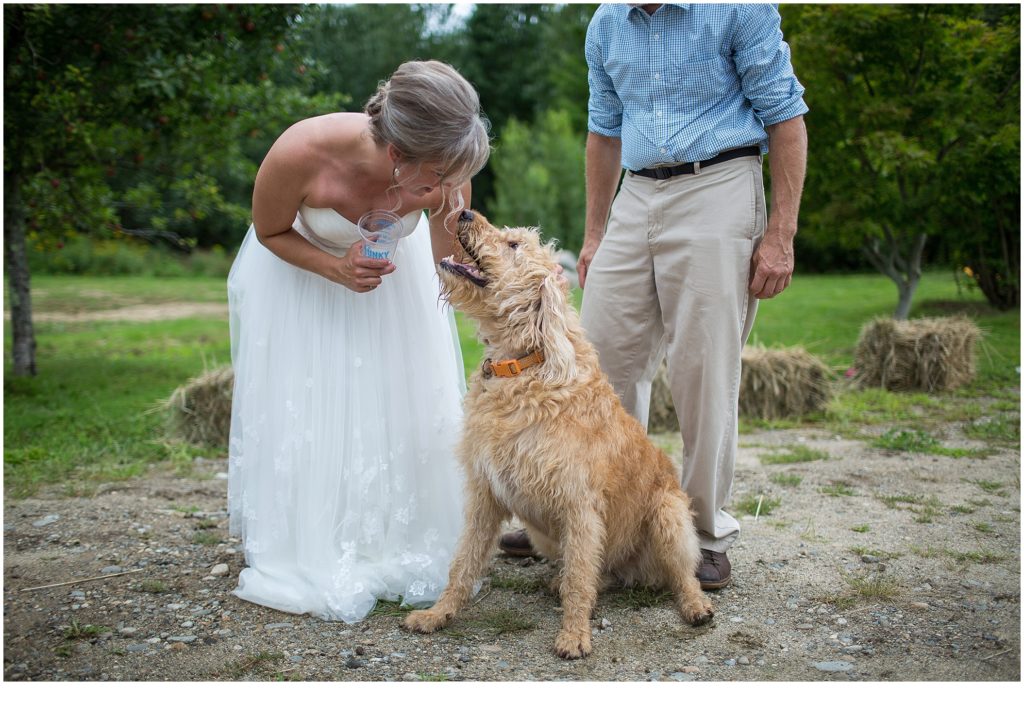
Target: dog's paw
(572,646)
(698,611)
(425,621)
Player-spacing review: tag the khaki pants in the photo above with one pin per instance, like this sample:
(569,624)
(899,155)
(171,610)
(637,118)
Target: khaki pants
(671,276)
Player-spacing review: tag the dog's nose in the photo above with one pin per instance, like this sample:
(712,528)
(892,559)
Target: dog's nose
(466,215)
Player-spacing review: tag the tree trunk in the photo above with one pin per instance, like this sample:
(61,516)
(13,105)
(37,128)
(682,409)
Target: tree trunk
(906,297)
(16,263)
(905,273)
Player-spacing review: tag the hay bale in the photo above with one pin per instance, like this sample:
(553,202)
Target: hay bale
(782,382)
(200,410)
(774,384)
(662,417)
(930,355)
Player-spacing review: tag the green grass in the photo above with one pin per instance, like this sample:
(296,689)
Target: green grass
(637,598)
(77,631)
(912,441)
(838,490)
(519,585)
(863,589)
(87,417)
(784,480)
(793,453)
(756,505)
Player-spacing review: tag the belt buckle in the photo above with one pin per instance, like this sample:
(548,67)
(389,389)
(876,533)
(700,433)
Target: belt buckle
(662,173)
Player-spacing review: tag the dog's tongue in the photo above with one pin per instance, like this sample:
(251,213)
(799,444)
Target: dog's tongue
(470,272)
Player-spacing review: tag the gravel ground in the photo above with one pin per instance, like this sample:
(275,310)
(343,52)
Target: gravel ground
(865,565)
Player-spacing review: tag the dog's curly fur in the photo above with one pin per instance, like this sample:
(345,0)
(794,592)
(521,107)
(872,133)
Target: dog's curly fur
(554,446)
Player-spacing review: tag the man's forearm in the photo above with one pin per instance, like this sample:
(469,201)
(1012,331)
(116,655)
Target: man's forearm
(788,163)
(604,164)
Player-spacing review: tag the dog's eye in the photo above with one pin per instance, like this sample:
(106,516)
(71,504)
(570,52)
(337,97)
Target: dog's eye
(513,245)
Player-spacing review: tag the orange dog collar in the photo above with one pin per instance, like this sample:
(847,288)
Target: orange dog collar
(511,368)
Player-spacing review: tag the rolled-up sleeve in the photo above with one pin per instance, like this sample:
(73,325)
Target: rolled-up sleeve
(604,107)
(763,63)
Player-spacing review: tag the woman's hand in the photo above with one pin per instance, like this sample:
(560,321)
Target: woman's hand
(357,272)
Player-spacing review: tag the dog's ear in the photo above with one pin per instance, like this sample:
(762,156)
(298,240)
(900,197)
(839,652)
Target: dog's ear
(559,364)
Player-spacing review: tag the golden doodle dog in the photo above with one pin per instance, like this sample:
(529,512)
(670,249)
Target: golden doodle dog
(546,439)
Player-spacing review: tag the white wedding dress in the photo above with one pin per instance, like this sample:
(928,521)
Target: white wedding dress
(343,483)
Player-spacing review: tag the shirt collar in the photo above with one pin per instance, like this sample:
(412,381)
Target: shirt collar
(680,5)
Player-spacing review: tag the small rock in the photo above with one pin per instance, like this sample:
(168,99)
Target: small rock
(744,660)
(690,669)
(175,607)
(177,646)
(804,626)
(277,626)
(681,677)
(182,638)
(834,666)
(137,647)
(46,520)
(605,624)
(736,619)
(490,648)
(730,663)
(223,632)
(354,663)
(112,569)
(919,605)
(220,570)
(128,632)
(869,559)
(153,641)
(410,677)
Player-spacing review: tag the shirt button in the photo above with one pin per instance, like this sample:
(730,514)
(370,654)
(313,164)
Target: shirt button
(655,36)
(664,151)
(659,113)
(657,76)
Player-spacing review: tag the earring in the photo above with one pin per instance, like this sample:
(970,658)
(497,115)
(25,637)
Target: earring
(395,174)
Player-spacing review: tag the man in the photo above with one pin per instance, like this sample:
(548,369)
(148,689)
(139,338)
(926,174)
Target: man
(687,98)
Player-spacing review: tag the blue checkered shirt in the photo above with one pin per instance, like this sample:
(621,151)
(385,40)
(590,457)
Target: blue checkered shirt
(690,81)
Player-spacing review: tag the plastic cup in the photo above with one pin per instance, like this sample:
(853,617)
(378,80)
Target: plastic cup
(381,231)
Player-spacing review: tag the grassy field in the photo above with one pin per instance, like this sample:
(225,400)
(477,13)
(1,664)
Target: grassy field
(91,413)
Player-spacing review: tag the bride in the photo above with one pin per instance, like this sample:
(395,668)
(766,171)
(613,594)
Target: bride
(348,377)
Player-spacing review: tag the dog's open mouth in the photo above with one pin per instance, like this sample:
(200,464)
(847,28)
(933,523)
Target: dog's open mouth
(470,269)
(470,272)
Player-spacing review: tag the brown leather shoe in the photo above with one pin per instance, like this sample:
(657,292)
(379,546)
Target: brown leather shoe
(516,544)
(715,571)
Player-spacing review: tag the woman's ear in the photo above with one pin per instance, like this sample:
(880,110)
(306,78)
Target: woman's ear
(559,364)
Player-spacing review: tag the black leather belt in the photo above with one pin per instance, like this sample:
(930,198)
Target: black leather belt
(665,172)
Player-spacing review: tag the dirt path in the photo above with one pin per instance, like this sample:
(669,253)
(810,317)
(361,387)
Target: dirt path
(870,566)
(137,312)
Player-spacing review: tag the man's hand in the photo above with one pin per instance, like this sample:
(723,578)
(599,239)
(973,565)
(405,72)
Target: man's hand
(771,267)
(583,262)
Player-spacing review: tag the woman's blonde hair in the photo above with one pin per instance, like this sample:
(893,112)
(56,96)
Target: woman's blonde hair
(431,114)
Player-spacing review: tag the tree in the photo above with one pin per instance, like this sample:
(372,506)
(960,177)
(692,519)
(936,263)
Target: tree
(122,120)
(539,178)
(899,94)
